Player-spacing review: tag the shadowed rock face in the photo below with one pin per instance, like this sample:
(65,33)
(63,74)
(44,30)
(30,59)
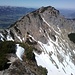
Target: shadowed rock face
(48,31)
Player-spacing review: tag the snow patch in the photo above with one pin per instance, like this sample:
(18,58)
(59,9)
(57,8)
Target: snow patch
(59,29)
(32,37)
(18,37)
(1,37)
(44,61)
(74,51)
(19,51)
(54,58)
(50,26)
(23,39)
(9,38)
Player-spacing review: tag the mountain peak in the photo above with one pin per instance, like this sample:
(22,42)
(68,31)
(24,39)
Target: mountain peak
(47,10)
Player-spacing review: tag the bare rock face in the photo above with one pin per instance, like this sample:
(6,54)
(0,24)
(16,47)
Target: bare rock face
(33,24)
(51,34)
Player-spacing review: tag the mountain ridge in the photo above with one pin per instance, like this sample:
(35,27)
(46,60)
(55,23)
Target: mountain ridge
(49,32)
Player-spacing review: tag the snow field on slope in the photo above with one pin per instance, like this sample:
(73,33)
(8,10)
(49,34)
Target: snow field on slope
(19,51)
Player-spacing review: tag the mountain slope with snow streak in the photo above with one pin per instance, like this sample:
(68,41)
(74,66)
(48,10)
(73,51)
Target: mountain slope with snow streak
(47,30)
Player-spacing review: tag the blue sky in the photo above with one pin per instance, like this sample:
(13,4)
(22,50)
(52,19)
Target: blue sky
(70,4)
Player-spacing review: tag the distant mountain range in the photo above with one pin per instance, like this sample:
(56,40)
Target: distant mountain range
(68,13)
(9,15)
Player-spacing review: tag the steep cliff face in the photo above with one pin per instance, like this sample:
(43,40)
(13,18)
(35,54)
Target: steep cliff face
(51,34)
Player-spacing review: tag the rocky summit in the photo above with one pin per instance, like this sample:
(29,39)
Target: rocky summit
(50,36)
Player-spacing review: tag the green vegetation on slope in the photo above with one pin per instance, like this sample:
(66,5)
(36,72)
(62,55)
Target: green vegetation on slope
(72,37)
(5,48)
